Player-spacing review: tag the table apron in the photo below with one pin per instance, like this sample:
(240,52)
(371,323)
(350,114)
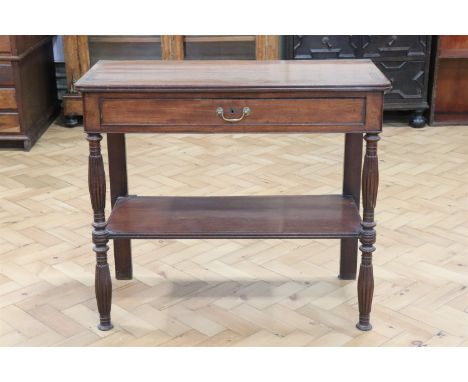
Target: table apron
(152,113)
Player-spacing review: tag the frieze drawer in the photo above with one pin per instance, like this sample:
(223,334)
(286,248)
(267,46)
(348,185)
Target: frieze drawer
(233,114)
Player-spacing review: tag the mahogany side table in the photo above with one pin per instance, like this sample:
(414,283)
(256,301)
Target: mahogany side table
(234,97)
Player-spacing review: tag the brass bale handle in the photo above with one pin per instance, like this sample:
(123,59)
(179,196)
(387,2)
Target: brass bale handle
(245,112)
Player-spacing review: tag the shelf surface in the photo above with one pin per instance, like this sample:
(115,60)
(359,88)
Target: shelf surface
(314,216)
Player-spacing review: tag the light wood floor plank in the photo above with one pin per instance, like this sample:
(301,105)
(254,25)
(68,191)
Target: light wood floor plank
(236,292)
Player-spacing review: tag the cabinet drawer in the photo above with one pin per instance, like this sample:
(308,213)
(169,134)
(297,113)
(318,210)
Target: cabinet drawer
(218,112)
(7,99)
(6,74)
(325,47)
(398,46)
(5,47)
(9,123)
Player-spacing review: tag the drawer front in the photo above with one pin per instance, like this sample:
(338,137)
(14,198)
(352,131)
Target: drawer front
(325,47)
(7,99)
(9,123)
(408,80)
(218,112)
(72,104)
(453,43)
(6,74)
(5,47)
(397,46)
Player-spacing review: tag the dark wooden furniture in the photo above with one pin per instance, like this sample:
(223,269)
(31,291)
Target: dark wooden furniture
(28,94)
(234,97)
(404,60)
(449,104)
(81,52)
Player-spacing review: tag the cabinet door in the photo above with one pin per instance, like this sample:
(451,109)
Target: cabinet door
(124,48)
(408,80)
(394,46)
(326,47)
(219,47)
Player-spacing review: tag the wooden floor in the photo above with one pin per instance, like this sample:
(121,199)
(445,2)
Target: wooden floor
(237,292)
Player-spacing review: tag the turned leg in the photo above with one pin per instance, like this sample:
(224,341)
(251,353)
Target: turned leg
(119,187)
(370,184)
(351,187)
(97,192)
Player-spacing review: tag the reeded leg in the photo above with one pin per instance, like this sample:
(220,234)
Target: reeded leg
(97,192)
(370,184)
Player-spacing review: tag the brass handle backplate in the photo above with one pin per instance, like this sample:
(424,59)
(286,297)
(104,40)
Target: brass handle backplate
(245,112)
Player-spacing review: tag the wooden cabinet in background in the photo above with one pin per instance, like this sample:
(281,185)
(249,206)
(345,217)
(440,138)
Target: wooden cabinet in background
(82,52)
(28,94)
(403,59)
(449,104)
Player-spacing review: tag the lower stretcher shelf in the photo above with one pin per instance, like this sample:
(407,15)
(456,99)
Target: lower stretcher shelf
(286,217)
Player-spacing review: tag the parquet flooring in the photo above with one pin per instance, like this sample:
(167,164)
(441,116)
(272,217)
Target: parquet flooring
(237,292)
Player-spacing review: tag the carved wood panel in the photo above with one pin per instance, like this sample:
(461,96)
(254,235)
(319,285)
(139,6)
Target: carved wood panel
(371,46)
(404,59)
(408,80)
(394,46)
(325,47)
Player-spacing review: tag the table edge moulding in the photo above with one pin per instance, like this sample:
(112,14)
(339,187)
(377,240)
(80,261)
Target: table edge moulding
(332,96)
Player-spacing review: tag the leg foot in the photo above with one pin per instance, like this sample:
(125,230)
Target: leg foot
(123,275)
(105,326)
(27,145)
(418,120)
(70,121)
(347,277)
(364,327)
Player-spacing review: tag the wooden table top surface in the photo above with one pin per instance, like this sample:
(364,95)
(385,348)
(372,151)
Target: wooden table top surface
(232,75)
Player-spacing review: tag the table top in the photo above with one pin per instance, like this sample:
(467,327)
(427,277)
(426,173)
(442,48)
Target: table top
(233,75)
